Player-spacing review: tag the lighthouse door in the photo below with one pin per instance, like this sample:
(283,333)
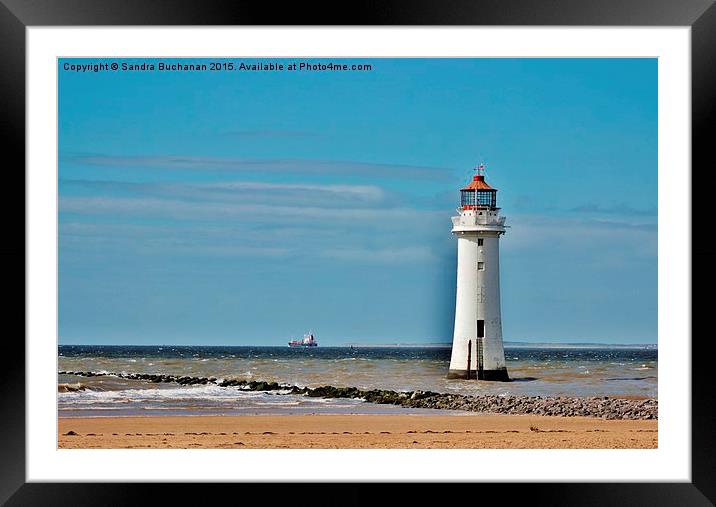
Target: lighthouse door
(479,340)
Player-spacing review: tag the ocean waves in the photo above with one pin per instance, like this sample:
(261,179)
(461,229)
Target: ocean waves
(536,372)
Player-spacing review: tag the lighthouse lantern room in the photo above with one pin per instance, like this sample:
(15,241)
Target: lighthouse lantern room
(477,349)
(478,194)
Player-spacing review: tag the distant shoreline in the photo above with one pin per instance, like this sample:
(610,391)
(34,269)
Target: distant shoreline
(515,345)
(508,345)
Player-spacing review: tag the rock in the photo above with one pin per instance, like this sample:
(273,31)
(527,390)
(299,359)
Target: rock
(595,406)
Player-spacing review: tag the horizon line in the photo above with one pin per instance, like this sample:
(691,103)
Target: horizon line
(365,345)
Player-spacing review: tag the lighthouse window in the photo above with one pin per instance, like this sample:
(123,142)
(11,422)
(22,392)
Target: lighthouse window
(467,198)
(479,241)
(481,266)
(480,328)
(486,198)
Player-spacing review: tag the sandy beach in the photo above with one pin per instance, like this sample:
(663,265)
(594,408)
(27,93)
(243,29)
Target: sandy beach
(356,431)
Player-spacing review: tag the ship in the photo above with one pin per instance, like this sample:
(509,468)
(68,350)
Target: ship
(308,341)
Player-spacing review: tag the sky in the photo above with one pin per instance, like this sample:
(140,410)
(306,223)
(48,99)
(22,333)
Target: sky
(251,207)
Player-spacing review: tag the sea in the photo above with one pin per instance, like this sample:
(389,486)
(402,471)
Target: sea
(579,371)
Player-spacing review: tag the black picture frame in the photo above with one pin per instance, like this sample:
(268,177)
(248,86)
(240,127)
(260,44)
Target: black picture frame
(17,15)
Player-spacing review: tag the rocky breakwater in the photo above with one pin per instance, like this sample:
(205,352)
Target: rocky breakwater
(562,406)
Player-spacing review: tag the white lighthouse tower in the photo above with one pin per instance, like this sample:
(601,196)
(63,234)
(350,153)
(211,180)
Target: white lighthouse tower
(477,350)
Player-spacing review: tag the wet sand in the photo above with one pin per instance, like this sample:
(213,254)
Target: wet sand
(356,432)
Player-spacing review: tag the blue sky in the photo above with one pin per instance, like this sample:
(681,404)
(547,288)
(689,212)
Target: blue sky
(251,207)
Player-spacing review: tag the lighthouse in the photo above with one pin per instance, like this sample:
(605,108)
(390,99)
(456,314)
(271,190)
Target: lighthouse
(477,350)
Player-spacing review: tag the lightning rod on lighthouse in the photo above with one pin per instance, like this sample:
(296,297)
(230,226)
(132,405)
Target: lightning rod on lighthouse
(477,349)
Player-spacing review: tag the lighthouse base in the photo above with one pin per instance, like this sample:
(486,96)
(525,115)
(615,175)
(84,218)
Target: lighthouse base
(499,375)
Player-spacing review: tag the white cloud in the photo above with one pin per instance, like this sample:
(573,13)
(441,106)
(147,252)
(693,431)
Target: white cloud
(381,255)
(255,213)
(591,236)
(367,192)
(289,165)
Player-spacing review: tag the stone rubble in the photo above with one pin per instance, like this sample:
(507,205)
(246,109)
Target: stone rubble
(595,406)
